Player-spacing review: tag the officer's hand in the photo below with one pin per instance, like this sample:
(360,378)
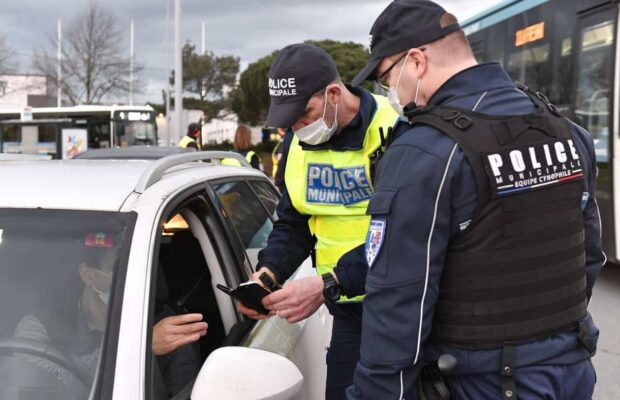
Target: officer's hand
(173,332)
(297,300)
(248,312)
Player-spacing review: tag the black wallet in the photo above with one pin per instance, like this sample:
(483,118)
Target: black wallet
(249,294)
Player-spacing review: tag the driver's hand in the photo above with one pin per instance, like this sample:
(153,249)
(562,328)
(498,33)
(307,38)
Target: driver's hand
(173,332)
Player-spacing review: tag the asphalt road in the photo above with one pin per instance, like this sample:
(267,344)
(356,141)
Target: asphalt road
(605,309)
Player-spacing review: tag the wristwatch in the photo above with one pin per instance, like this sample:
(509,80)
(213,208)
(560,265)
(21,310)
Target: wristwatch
(331,288)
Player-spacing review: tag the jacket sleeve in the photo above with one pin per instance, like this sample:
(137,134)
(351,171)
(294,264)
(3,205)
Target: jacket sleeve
(290,242)
(351,272)
(595,257)
(411,220)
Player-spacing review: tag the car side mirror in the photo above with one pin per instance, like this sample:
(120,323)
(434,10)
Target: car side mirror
(247,373)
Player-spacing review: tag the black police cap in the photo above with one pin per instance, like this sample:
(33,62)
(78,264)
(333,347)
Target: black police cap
(193,127)
(299,71)
(403,25)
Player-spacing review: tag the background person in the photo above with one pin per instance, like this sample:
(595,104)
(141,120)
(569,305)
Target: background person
(279,155)
(243,145)
(193,137)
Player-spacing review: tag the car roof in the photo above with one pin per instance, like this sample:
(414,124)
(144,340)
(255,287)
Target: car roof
(102,185)
(132,153)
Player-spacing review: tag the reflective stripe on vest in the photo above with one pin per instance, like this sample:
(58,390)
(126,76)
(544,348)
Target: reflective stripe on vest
(334,187)
(186,140)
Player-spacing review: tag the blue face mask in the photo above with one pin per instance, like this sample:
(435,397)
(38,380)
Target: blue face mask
(104,295)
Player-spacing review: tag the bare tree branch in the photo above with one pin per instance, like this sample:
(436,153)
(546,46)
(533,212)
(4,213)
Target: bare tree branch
(7,56)
(94,65)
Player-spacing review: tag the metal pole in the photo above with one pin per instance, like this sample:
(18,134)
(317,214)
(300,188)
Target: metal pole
(59,71)
(203,37)
(131,55)
(168,119)
(178,70)
(202,82)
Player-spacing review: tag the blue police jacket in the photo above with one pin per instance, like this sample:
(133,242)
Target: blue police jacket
(290,241)
(425,192)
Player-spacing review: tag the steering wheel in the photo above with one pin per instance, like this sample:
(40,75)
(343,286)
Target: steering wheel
(44,350)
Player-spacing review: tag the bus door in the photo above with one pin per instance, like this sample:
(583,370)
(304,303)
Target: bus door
(594,99)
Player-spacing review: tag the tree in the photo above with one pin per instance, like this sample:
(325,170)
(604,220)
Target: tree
(209,78)
(350,57)
(7,55)
(93,64)
(251,99)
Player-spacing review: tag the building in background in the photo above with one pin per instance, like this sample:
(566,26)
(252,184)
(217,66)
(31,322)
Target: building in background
(19,91)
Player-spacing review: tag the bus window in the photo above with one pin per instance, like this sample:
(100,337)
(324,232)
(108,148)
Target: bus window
(47,140)
(530,66)
(595,79)
(134,133)
(562,83)
(11,139)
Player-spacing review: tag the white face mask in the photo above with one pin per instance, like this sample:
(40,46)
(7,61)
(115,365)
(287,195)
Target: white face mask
(392,93)
(318,132)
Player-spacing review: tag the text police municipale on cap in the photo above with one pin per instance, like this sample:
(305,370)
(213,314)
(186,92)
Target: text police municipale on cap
(299,71)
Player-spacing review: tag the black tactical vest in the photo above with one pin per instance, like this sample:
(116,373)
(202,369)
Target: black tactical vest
(516,273)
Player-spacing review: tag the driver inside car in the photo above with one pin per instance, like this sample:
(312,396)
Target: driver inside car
(172,337)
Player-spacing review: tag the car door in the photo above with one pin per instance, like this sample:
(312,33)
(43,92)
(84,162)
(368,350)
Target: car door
(249,207)
(193,252)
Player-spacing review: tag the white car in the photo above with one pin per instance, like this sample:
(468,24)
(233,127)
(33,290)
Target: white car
(160,235)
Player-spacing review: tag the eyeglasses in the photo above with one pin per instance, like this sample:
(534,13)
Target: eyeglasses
(381,79)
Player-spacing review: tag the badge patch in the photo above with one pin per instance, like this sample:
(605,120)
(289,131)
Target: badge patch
(374,240)
(338,186)
(533,167)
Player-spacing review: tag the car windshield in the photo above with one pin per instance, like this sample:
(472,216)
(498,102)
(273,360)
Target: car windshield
(57,272)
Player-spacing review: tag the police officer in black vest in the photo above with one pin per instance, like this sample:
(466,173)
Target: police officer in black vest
(484,242)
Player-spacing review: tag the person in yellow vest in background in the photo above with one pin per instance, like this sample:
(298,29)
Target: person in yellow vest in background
(192,139)
(243,145)
(339,133)
(278,157)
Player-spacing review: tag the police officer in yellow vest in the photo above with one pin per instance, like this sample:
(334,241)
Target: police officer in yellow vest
(339,131)
(192,139)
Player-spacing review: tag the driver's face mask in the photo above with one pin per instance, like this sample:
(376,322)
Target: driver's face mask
(104,295)
(318,132)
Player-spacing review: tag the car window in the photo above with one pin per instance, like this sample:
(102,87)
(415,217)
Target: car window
(246,213)
(266,195)
(56,274)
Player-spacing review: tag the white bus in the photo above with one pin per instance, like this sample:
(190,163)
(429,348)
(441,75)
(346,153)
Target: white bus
(568,50)
(62,132)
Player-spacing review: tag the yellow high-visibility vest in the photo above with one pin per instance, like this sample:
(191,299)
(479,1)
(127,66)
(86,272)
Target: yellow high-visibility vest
(186,140)
(334,188)
(235,163)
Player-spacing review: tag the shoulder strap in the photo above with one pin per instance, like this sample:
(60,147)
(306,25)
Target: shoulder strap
(454,123)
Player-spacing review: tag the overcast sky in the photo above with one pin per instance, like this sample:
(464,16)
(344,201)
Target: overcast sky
(249,29)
